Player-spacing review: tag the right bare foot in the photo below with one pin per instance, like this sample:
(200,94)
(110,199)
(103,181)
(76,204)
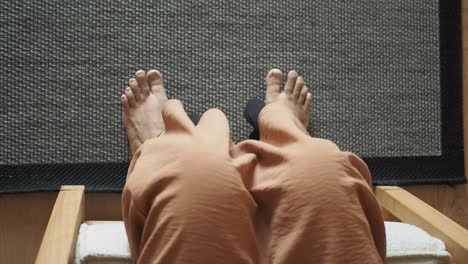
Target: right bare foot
(295,95)
(142,106)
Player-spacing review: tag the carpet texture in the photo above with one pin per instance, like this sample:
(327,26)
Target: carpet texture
(374,68)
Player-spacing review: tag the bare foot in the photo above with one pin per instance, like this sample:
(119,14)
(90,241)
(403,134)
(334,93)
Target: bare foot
(142,105)
(295,95)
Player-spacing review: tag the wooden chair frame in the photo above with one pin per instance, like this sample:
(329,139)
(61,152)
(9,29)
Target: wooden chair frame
(59,241)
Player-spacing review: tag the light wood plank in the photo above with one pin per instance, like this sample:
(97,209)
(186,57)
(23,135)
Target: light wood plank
(58,244)
(409,209)
(449,200)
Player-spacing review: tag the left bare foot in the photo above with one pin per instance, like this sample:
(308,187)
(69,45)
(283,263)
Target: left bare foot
(295,97)
(142,105)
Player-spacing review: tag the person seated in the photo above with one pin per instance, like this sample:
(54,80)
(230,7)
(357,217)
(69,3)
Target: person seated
(193,196)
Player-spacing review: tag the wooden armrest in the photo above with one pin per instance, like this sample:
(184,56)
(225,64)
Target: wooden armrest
(58,243)
(410,209)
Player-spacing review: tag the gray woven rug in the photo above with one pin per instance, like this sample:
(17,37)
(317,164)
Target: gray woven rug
(372,66)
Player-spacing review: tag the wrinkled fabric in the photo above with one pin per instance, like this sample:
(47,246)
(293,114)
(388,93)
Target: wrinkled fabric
(192,196)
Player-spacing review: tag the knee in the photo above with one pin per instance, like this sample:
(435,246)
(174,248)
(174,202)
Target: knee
(324,167)
(195,180)
(205,175)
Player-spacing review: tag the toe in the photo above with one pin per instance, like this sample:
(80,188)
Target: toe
(291,82)
(273,82)
(130,97)
(303,95)
(308,102)
(135,90)
(141,80)
(155,81)
(125,109)
(298,87)
(274,79)
(306,108)
(125,104)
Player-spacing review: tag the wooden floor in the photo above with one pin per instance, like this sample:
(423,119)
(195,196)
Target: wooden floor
(452,201)
(23,217)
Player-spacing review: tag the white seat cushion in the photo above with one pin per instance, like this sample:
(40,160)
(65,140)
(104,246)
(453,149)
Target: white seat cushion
(410,244)
(102,243)
(107,243)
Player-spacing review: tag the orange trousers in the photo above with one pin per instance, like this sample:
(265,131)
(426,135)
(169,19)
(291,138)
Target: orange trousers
(192,196)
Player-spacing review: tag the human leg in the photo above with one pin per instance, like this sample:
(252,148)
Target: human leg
(316,201)
(184,200)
